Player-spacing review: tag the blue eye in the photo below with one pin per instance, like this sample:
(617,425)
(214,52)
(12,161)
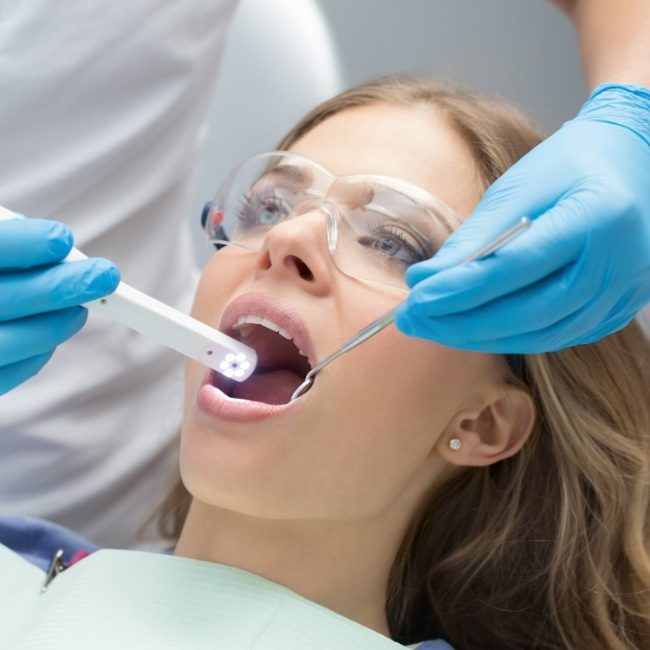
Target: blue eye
(262,211)
(394,243)
(387,245)
(270,211)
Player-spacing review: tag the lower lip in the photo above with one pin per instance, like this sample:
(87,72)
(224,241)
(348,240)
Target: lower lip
(216,403)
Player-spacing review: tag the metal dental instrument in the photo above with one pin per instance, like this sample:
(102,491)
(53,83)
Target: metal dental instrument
(389,316)
(168,326)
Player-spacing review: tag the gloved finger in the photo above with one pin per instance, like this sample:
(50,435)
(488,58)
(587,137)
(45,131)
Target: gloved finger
(605,329)
(19,372)
(28,337)
(551,339)
(523,344)
(55,287)
(32,242)
(574,328)
(552,242)
(597,318)
(513,314)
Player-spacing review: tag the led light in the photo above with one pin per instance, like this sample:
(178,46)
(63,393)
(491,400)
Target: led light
(241,357)
(224,365)
(230,357)
(229,373)
(245,365)
(239,373)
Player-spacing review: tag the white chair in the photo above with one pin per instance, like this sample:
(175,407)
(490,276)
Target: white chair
(279,61)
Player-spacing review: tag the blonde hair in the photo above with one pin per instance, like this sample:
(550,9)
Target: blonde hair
(547,549)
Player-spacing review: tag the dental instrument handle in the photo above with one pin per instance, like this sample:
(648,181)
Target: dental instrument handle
(168,326)
(499,241)
(386,319)
(359,337)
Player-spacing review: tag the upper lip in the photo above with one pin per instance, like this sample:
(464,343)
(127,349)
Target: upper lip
(274,309)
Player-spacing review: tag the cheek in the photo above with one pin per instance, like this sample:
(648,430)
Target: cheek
(213,289)
(410,383)
(394,398)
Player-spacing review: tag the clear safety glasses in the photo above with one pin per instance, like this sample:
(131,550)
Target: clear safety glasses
(376,226)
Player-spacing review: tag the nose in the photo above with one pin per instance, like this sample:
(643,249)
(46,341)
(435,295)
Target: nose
(297,250)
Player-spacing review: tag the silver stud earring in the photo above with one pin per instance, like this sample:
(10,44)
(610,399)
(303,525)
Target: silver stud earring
(455,444)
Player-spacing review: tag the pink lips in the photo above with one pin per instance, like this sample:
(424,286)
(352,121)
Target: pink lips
(215,402)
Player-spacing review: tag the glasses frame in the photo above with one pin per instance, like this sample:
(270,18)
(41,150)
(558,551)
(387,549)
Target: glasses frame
(440,211)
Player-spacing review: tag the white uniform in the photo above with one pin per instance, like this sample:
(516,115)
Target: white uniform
(101,117)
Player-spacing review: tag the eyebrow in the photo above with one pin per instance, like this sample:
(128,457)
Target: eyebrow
(291,173)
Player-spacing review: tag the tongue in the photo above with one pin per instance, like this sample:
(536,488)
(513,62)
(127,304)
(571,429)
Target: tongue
(273,387)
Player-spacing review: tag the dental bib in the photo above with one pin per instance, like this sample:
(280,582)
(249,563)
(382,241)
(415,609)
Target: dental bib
(131,599)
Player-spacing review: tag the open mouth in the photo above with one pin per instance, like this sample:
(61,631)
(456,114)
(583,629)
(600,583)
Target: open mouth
(281,365)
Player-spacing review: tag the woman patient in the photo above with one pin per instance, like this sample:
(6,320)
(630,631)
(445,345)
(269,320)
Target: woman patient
(421,491)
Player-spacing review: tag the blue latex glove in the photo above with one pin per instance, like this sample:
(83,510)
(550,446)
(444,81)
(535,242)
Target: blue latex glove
(39,298)
(580,272)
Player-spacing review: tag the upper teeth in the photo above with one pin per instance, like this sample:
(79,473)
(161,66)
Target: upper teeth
(258,320)
(242,321)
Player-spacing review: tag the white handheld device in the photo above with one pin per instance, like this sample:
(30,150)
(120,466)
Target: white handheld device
(169,326)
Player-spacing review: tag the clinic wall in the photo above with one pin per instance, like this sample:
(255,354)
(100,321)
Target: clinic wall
(523,50)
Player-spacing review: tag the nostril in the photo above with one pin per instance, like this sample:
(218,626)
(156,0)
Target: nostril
(303,270)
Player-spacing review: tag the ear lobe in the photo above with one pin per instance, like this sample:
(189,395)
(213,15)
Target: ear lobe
(497,431)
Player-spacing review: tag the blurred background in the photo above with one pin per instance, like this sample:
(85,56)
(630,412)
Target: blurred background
(284,56)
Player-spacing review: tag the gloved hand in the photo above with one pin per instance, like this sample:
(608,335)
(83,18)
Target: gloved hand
(39,298)
(580,272)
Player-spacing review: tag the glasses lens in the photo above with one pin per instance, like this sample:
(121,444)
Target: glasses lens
(261,193)
(385,226)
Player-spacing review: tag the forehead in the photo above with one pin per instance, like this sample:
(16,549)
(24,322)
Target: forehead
(414,144)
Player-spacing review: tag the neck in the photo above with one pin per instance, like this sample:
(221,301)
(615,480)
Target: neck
(342,566)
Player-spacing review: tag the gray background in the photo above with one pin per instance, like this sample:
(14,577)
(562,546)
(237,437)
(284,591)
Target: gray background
(525,50)
(277,65)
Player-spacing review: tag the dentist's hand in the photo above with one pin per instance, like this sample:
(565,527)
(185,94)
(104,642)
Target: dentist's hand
(39,298)
(580,272)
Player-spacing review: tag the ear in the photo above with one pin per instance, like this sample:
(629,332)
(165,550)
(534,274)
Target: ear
(496,429)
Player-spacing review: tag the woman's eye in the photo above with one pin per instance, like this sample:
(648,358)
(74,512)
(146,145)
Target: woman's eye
(388,246)
(262,211)
(269,212)
(394,243)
